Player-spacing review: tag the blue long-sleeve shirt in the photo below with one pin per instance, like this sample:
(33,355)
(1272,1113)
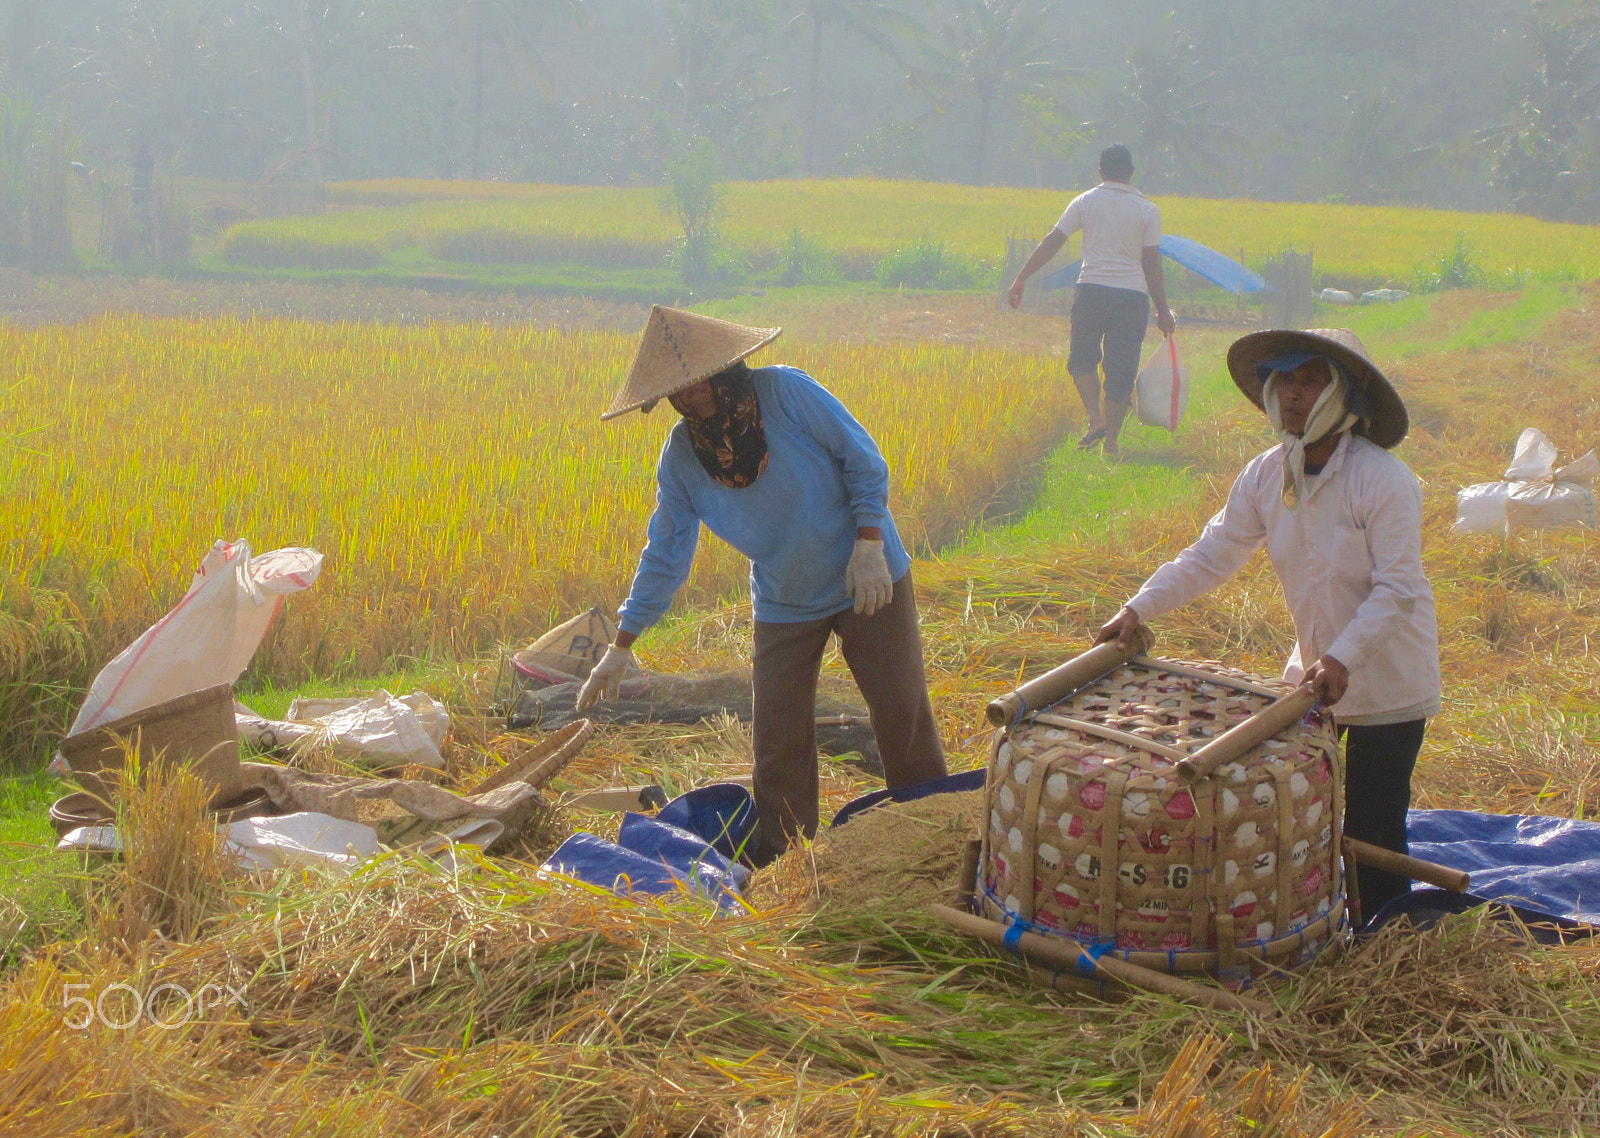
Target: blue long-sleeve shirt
(796,523)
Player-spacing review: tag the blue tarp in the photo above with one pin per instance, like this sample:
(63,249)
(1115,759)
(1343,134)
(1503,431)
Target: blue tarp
(1550,865)
(723,814)
(949,784)
(1220,270)
(654,855)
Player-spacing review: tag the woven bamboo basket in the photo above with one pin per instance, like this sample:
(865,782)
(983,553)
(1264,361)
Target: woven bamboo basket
(1182,816)
(198,729)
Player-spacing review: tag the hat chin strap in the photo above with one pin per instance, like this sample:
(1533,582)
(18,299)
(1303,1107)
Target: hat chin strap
(1329,416)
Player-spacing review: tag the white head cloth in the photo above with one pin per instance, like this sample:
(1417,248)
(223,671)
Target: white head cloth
(1329,416)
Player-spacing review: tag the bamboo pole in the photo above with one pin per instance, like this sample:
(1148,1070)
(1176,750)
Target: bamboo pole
(1066,957)
(1254,731)
(967,875)
(1432,873)
(843,721)
(1060,682)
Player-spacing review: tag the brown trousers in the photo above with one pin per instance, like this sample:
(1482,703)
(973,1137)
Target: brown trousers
(884,653)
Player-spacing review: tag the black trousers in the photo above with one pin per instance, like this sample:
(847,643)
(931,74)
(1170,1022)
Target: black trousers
(1378,762)
(1108,324)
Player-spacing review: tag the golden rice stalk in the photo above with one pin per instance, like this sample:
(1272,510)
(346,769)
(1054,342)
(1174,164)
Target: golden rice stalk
(172,876)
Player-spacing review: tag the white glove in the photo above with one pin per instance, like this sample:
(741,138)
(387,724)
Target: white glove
(866,578)
(605,678)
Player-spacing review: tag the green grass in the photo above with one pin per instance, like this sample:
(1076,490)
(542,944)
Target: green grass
(1525,318)
(1411,327)
(37,894)
(1085,495)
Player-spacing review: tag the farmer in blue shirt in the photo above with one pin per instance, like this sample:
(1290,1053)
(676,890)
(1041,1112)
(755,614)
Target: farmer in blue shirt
(776,466)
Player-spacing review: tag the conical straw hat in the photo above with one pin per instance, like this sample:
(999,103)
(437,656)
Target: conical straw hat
(678,350)
(1389,421)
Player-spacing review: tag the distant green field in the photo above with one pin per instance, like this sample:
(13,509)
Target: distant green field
(859,222)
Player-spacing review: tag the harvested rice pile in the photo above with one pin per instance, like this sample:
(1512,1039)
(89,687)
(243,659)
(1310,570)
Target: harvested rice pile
(900,855)
(1469,1016)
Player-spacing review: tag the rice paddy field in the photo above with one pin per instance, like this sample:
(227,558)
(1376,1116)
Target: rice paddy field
(406,225)
(455,475)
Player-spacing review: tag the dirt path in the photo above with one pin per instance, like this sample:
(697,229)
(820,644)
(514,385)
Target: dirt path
(30,298)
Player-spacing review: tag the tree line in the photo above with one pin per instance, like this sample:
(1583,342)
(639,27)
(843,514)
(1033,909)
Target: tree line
(1478,104)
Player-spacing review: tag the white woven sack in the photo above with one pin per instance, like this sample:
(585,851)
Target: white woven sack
(1162,388)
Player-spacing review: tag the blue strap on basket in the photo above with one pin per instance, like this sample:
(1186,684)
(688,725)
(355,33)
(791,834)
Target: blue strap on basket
(1013,936)
(1089,956)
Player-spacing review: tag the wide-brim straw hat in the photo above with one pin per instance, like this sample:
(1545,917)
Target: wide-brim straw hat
(1388,423)
(678,350)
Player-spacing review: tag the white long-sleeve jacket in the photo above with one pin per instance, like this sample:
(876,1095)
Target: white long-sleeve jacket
(1351,568)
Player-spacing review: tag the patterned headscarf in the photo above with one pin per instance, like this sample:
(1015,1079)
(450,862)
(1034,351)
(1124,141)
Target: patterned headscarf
(731,443)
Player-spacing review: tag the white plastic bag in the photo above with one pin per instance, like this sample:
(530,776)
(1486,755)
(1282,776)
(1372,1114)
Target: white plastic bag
(312,839)
(302,840)
(1163,388)
(1533,494)
(1482,508)
(430,714)
(209,636)
(380,731)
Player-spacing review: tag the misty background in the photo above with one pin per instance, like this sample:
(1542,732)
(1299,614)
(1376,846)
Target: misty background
(1476,104)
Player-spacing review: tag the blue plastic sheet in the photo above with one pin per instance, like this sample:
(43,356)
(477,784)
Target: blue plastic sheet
(653,855)
(723,814)
(1549,865)
(949,784)
(606,864)
(1423,907)
(1218,268)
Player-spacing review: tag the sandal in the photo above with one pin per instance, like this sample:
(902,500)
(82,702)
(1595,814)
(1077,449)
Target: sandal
(1093,436)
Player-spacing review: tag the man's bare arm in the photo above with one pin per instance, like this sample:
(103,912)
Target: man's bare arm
(1038,259)
(1155,279)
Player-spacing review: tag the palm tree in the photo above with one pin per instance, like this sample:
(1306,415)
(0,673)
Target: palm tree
(992,52)
(717,71)
(160,68)
(1164,108)
(511,30)
(870,21)
(1372,160)
(1545,159)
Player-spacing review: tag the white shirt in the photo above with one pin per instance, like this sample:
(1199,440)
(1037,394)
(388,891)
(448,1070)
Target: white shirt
(1118,224)
(1351,568)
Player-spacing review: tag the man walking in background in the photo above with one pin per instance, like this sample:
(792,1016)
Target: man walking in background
(1120,277)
